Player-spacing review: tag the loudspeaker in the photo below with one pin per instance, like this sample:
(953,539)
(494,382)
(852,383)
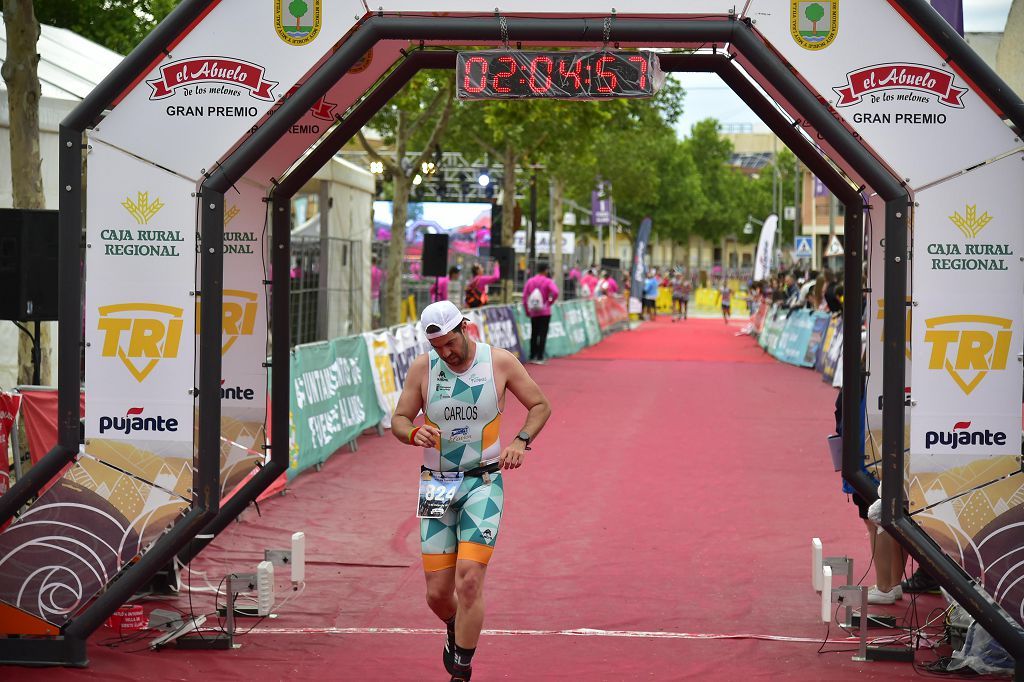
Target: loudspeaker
(611,263)
(506,258)
(28,264)
(435,255)
(496,226)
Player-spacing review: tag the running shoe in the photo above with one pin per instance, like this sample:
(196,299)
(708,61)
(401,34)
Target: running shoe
(461,673)
(920,583)
(877,596)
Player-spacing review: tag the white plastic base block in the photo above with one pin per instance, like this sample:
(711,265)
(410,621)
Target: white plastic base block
(265,588)
(816,564)
(298,557)
(826,594)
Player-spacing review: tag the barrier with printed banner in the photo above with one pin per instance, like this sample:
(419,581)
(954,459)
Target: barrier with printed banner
(332,399)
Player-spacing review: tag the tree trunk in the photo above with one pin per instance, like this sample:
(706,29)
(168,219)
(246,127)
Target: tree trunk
(20,72)
(508,213)
(396,251)
(557,193)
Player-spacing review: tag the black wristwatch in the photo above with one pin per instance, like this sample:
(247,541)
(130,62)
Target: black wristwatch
(525,437)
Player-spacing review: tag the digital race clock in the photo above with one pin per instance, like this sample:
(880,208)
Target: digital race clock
(514,74)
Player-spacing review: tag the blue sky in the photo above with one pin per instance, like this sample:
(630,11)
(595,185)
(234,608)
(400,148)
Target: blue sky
(708,97)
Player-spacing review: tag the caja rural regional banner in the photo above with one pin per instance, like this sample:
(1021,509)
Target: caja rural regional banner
(140,302)
(968,280)
(243,384)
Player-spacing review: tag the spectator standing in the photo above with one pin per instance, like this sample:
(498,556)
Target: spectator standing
(476,289)
(376,279)
(650,302)
(606,286)
(588,283)
(538,295)
(447,288)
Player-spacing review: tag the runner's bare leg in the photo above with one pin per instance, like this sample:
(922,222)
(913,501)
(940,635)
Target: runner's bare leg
(469,584)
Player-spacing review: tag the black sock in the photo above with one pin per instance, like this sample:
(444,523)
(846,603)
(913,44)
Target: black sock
(463,657)
(450,623)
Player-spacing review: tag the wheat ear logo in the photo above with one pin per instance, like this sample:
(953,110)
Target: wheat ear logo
(971,224)
(230,212)
(141,209)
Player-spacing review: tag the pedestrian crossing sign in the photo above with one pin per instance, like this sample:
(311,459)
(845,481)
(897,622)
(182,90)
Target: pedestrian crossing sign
(803,247)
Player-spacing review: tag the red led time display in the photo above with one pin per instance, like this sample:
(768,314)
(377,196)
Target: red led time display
(514,74)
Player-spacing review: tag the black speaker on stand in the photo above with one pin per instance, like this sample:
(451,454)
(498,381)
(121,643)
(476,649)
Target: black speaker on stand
(28,271)
(435,256)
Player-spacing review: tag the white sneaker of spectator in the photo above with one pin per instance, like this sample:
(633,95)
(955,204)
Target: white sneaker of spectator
(877,596)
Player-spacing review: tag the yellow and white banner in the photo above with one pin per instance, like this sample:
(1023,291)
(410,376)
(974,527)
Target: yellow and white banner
(968,280)
(140,303)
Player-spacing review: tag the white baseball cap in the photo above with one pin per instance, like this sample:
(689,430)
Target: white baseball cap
(444,315)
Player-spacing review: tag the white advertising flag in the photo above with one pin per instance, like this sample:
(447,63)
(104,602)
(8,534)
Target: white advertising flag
(765,247)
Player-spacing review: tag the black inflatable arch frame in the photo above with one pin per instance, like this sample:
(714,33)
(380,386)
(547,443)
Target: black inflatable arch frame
(206,518)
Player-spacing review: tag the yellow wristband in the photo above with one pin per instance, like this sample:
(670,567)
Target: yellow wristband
(412,435)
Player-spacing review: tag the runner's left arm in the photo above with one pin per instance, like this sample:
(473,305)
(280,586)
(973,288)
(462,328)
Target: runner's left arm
(526,390)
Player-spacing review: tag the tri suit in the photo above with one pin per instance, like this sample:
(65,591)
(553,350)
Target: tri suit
(464,409)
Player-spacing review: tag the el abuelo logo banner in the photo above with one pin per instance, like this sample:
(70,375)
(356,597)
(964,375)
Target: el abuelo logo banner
(881,78)
(212,75)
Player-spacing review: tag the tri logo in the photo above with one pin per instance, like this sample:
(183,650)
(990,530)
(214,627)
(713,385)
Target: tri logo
(239,316)
(968,347)
(140,334)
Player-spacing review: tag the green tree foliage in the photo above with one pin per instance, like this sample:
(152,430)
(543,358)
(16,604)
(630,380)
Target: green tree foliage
(724,186)
(298,9)
(414,119)
(118,25)
(814,14)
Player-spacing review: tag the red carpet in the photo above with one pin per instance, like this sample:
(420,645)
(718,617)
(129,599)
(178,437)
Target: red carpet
(675,490)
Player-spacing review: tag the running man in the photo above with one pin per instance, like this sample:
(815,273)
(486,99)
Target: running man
(460,385)
(726,302)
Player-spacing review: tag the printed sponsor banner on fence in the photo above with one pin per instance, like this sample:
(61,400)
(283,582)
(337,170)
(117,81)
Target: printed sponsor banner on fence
(332,399)
(611,310)
(380,346)
(500,329)
(588,308)
(9,404)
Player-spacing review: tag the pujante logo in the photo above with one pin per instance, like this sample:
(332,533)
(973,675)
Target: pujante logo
(141,209)
(971,224)
(193,76)
(133,421)
(238,317)
(153,334)
(814,25)
(960,435)
(300,25)
(968,346)
(915,78)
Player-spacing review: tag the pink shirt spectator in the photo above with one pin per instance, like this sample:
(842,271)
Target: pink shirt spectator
(376,277)
(481,281)
(439,290)
(606,287)
(575,274)
(587,285)
(548,291)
